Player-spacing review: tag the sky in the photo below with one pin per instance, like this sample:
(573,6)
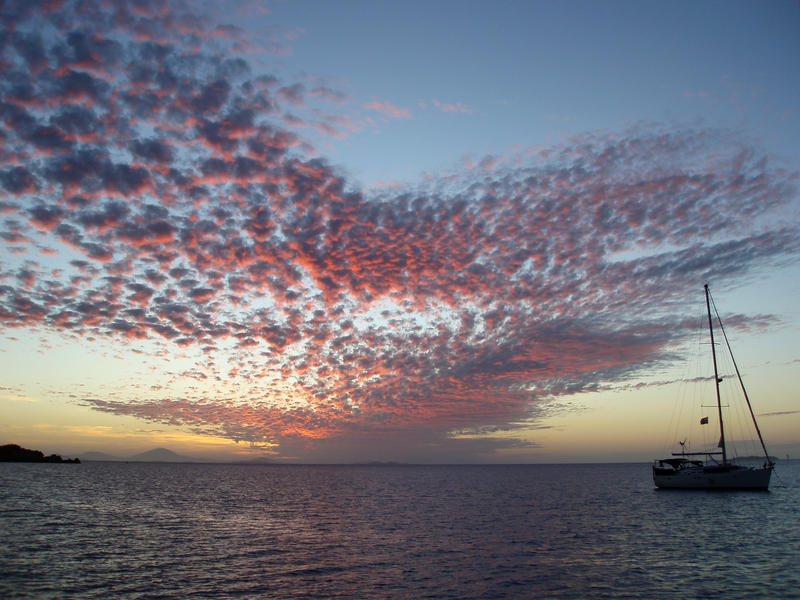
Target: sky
(375,231)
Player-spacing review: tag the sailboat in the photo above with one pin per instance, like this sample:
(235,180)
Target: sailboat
(685,470)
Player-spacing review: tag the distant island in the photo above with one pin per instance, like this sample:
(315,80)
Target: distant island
(15,453)
(155,455)
(164,455)
(160,455)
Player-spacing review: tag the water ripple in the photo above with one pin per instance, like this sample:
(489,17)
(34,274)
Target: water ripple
(146,531)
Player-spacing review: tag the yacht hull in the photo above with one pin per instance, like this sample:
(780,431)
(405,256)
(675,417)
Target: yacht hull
(733,477)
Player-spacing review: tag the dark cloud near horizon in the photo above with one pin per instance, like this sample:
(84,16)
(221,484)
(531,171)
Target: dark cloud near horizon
(137,149)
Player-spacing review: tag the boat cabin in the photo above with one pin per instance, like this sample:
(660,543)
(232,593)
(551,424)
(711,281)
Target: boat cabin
(669,466)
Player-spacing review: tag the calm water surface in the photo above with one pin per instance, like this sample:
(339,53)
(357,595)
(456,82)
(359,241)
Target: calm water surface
(146,530)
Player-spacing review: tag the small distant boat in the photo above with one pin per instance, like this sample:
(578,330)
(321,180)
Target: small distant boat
(686,471)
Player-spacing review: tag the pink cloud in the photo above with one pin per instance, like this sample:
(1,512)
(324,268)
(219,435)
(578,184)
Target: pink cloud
(457,107)
(388,109)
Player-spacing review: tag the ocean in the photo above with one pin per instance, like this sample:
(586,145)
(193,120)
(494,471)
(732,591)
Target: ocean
(150,530)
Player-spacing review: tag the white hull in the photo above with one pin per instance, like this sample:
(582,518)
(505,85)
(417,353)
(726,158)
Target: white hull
(733,477)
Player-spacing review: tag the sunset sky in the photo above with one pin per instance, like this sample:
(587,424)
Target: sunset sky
(425,232)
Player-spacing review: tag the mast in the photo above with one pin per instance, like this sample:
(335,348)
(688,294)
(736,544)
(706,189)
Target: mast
(717,380)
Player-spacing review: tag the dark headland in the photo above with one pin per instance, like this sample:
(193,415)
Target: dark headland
(15,453)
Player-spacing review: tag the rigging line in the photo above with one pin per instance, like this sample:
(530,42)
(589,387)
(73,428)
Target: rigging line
(741,383)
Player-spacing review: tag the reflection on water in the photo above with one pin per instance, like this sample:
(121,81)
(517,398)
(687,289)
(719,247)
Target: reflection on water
(145,530)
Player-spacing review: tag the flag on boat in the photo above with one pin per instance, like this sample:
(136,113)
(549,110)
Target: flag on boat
(704,421)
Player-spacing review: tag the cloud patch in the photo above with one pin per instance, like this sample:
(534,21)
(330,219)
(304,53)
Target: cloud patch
(388,109)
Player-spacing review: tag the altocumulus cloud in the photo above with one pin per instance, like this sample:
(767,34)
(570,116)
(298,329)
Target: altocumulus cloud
(145,155)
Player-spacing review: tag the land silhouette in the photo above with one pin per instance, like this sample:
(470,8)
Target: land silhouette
(16,453)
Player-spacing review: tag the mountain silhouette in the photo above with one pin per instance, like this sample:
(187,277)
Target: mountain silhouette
(161,455)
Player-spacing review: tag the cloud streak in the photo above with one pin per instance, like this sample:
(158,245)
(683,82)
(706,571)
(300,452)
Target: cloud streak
(452,107)
(149,196)
(388,109)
